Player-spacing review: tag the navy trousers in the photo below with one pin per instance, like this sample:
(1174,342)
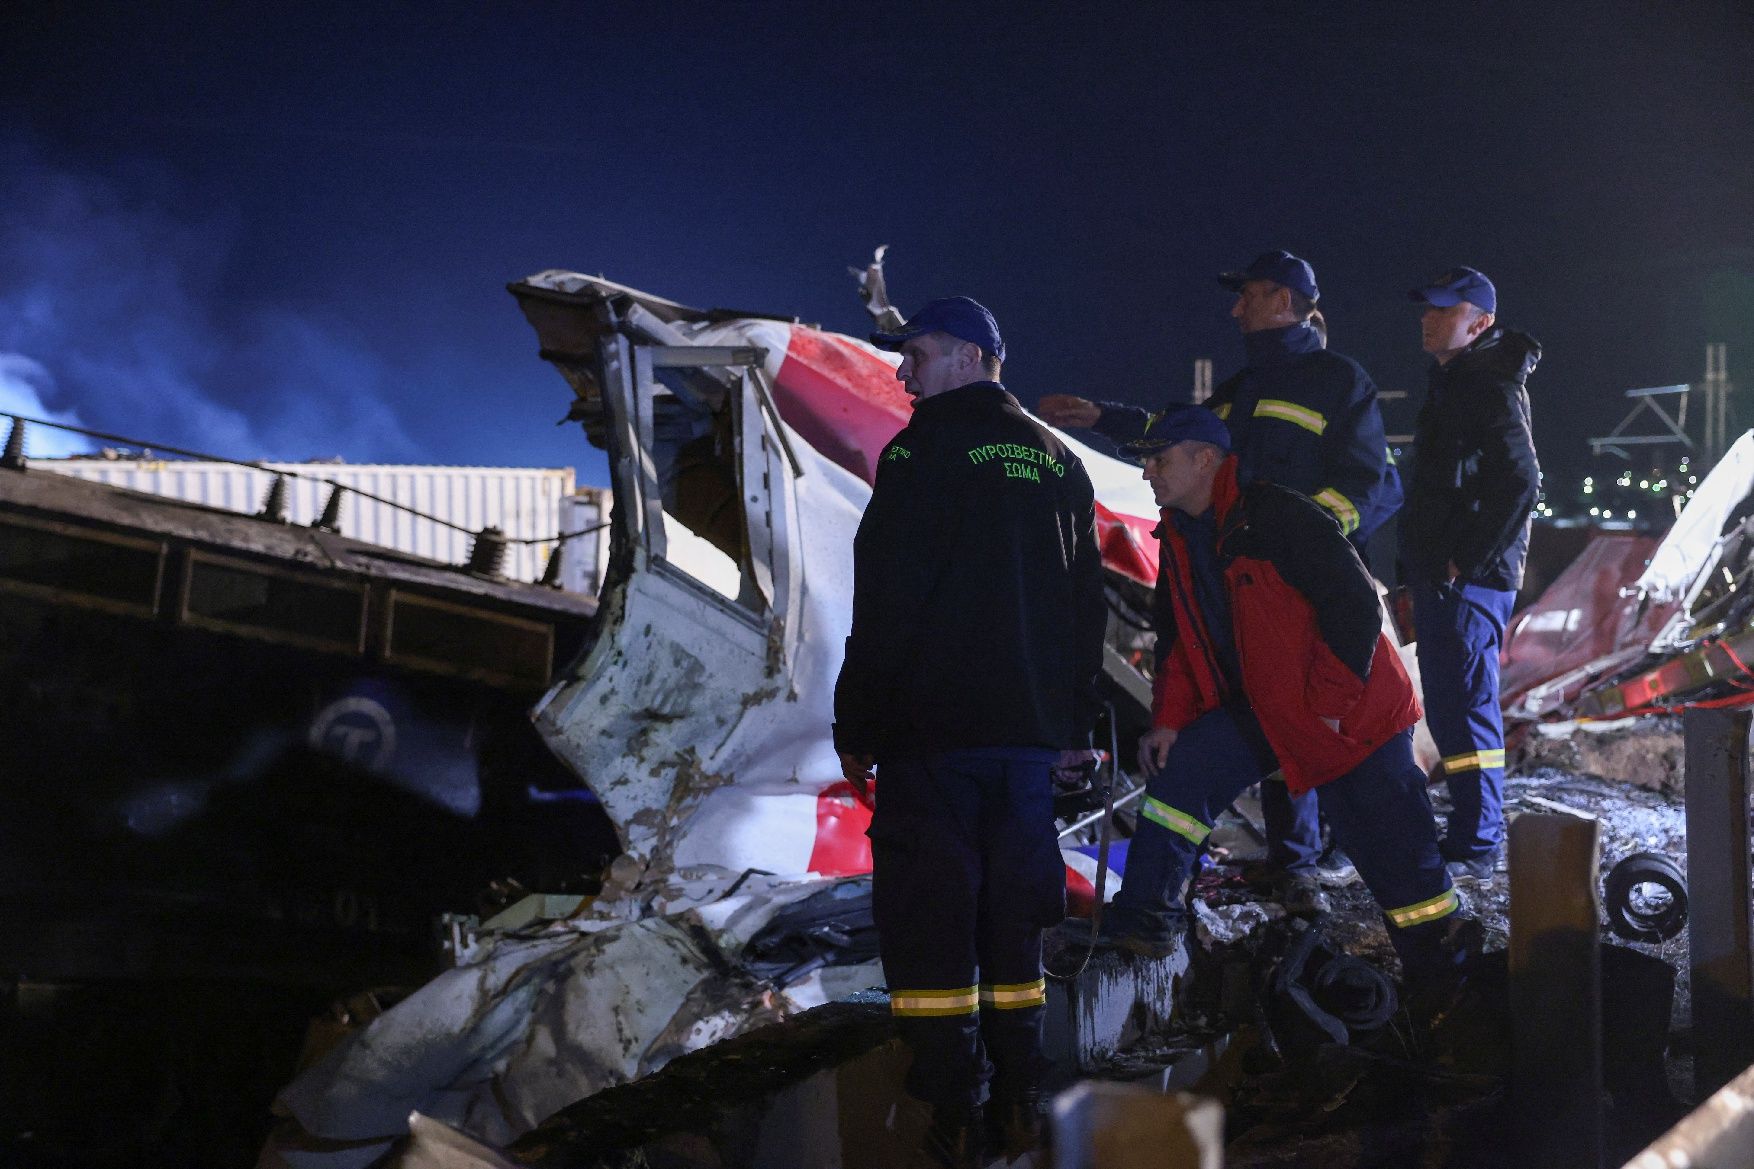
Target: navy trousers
(1460,628)
(1378,811)
(1294,827)
(967,872)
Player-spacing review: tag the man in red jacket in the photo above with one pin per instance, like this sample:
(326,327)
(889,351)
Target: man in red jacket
(1271,655)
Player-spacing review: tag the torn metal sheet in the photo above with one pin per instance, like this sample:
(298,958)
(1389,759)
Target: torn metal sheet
(1681,633)
(1690,545)
(1582,627)
(540,1020)
(741,450)
(702,716)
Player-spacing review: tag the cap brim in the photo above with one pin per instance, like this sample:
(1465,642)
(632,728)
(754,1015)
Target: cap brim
(1140,449)
(1441,297)
(895,340)
(1234,280)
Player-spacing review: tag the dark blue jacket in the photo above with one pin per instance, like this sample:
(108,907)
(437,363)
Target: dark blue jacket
(1475,476)
(1303,417)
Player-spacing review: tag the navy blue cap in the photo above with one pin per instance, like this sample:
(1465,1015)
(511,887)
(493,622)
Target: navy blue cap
(961,317)
(1279,267)
(1181,423)
(1457,285)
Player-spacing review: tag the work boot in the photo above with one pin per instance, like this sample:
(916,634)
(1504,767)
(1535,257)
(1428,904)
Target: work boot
(952,1141)
(1014,1124)
(1160,941)
(1476,870)
(1335,869)
(1301,895)
(1452,1021)
(1464,938)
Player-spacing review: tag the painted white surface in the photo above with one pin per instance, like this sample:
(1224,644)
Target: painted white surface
(1690,543)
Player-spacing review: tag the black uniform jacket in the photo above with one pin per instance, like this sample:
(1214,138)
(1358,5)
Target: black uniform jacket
(978,613)
(1475,477)
(1303,417)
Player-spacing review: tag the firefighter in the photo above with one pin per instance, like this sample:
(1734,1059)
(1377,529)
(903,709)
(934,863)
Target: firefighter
(971,672)
(1274,656)
(1464,538)
(1307,418)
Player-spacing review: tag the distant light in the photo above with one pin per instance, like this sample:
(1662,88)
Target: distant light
(1588,479)
(1692,479)
(1595,511)
(1587,489)
(1631,515)
(1644,484)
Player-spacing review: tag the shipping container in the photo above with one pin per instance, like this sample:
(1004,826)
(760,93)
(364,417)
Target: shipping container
(526,503)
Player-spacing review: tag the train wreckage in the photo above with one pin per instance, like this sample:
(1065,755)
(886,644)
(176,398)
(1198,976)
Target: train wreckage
(700,717)
(743,446)
(693,702)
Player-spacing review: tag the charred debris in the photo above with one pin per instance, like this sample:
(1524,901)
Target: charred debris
(653,938)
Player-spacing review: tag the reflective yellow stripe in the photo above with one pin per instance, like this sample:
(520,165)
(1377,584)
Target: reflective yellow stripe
(1222,410)
(1180,823)
(1012,996)
(1340,506)
(1389,452)
(1442,905)
(962,1001)
(1291,412)
(1481,760)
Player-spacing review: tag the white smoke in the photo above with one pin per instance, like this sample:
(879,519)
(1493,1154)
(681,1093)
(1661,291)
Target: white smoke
(21,384)
(120,306)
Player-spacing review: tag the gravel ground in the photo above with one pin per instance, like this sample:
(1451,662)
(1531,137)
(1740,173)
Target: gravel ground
(1360,1109)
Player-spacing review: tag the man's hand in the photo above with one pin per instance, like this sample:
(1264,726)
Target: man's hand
(1066,410)
(1453,571)
(858,771)
(1154,747)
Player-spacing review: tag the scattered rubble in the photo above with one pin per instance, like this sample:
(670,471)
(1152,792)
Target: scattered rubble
(1645,752)
(742,449)
(1629,629)
(700,719)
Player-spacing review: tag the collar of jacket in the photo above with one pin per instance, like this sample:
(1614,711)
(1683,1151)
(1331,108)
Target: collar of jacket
(1498,350)
(975,395)
(1277,346)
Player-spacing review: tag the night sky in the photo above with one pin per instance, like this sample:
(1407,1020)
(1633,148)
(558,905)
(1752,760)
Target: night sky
(284,230)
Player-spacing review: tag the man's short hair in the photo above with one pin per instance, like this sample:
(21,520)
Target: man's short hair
(1202,447)
(990,362)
